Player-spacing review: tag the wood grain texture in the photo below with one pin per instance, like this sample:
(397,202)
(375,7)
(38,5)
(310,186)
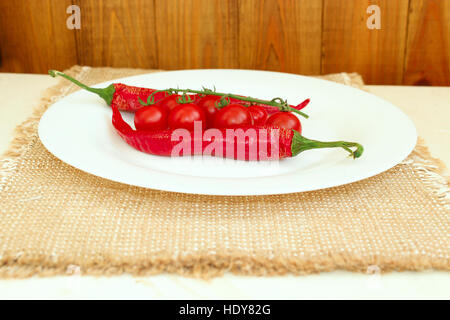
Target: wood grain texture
(348,45)
(196,34)
(117,33)
(298,36)
(427,60)
(281,35)
(34,36)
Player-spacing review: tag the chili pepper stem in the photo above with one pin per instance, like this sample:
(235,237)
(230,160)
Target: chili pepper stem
(105,93)
(300,144)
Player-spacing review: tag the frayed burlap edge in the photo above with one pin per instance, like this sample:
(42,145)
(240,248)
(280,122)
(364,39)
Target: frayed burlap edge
(212,266)
(25,134)
(430,170)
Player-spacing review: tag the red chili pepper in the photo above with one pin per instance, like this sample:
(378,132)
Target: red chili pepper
(290,142)
(124,97)
(127,98)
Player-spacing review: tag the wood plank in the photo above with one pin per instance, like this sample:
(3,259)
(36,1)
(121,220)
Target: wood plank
(34,36)
(117,33)
(349,45)
(197,33)
(428,47)
(281,35)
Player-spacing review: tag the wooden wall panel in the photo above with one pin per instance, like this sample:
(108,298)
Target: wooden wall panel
(34,36)
(196,33)
(282,35)
(428,47)
(348,45)
(117,33)
(298,36)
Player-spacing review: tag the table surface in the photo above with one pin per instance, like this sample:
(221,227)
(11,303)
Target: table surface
(428,107)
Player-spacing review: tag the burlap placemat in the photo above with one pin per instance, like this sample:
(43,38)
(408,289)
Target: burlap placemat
(56,219)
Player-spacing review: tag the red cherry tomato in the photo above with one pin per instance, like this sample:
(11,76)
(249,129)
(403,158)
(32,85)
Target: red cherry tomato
(151,118)
(169,102)
(208,104)
(284,120)
(233,115)
(184,115)
(259,115)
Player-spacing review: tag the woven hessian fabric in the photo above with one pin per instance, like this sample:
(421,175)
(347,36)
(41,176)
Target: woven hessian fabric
(54,218)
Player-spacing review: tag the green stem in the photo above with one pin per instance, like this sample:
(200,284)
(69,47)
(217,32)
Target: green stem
(105,93)
(277,102)
(300,144)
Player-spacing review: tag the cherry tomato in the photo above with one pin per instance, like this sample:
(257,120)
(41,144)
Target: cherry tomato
(208,104)
(151,118)
(233,115)
(284,120)
(184,115)
(259,115)
(169,102)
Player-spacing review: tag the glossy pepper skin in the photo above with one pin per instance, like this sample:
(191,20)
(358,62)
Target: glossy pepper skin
(126,98)
(290,142)
(161,143)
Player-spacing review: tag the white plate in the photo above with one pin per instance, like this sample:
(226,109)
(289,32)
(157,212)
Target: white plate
(78,130)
